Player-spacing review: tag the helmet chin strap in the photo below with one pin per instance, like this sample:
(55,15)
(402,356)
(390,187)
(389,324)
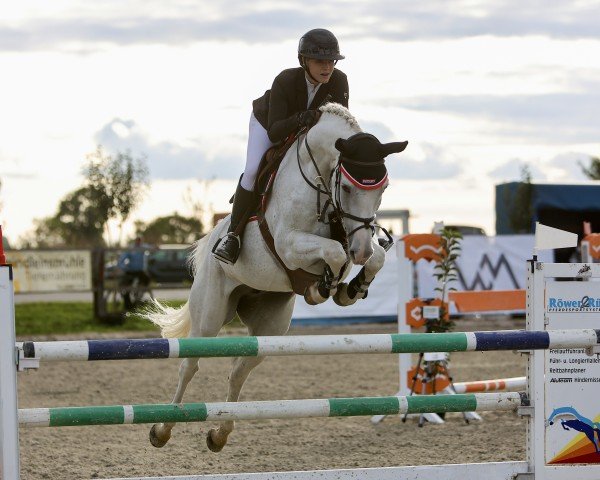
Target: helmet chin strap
(304,65)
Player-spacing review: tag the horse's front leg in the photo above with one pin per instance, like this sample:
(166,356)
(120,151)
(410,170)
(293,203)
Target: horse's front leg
(305,251)
(349,293)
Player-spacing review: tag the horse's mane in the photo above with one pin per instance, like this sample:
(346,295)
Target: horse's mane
(340,111)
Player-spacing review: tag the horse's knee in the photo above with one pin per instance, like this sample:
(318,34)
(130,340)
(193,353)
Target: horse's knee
(375,263)
(336,258)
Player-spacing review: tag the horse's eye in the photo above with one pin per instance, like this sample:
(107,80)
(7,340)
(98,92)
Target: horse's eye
(346,188)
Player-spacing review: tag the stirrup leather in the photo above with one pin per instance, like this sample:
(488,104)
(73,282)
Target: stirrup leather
(227,249)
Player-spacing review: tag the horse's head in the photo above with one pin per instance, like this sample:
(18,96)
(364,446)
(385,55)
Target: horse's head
(358,185)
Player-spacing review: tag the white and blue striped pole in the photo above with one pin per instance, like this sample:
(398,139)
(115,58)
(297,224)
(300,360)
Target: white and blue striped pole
(130,349)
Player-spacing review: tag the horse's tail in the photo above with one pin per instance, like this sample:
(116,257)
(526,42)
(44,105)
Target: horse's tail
(176,322)
(173,322)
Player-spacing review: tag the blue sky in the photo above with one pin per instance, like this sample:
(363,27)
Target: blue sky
(478,88)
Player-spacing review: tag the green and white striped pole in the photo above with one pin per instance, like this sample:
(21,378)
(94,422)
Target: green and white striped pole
(278,409)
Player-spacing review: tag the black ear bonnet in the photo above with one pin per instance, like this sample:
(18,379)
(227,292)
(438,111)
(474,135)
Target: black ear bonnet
(362,159)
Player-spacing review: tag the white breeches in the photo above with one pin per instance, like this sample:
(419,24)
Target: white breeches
(258,144)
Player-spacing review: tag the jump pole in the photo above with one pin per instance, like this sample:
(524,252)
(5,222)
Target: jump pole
(273,409)
(135,349)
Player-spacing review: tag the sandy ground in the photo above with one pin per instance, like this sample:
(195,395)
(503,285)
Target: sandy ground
(267,445)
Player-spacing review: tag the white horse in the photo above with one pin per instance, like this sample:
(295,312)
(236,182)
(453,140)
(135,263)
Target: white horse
(256,286)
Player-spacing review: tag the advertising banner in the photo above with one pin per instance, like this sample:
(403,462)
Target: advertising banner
(51,271)
(486,263)
(572,377)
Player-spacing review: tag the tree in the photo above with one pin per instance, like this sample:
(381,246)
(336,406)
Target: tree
(76,224)
(520,211)
(46,233)
(116,184)
(593,170)
(113,187)
(170,229)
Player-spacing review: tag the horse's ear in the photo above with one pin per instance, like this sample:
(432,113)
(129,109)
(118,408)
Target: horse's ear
(340,144)
(394,147)
(344,146)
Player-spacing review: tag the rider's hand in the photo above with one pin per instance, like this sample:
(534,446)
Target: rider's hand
(307,118)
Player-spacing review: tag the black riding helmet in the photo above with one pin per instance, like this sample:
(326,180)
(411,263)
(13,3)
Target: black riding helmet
(320,44)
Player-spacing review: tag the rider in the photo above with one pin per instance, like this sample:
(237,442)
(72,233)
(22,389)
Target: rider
(289,105)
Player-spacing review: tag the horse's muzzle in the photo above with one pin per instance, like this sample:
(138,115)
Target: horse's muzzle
(361,247)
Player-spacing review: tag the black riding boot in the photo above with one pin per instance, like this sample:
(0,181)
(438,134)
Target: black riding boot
(227,249)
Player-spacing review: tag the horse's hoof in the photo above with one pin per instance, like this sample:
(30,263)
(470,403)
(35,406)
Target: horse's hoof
(308,299)
(212,446)
(341,296)
(313,297)
(155,441)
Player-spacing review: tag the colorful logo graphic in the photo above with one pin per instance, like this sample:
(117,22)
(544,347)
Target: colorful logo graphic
(585,446)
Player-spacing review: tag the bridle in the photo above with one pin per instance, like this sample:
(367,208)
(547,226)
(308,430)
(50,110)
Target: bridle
(333,199)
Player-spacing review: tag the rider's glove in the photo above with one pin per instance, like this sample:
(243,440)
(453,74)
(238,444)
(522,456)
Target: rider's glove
(307,118)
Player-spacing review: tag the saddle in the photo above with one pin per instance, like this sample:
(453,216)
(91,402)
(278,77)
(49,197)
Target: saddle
(270,162)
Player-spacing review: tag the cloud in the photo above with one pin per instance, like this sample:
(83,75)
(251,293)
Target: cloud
(511,171)
(551,118)
(224,158)
(423,162)
(11,167)
(439,19)
(263,26)
(18,175)
(183,22)
(570,164)
(167,160)
(383,133)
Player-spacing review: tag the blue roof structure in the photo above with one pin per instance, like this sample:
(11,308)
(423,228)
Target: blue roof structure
(556,205)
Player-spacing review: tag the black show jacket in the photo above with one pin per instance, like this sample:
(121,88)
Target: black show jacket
(277,109)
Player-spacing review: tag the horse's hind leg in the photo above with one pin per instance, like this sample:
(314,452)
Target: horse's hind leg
(208,315)
(160,433)
(264,314)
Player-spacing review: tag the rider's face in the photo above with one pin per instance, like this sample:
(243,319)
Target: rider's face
(320,70)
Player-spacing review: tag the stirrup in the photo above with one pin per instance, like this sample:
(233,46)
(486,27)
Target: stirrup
(224,254)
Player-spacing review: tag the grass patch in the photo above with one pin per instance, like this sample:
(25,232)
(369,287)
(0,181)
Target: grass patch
(49,318)
(59,318)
